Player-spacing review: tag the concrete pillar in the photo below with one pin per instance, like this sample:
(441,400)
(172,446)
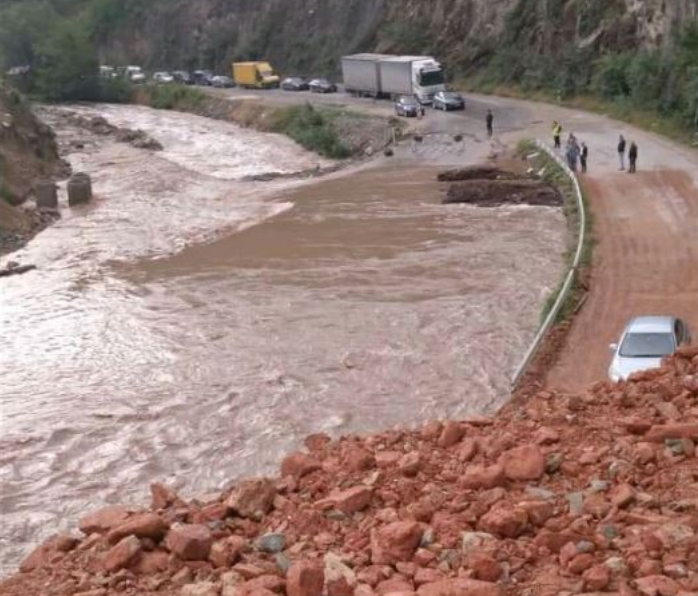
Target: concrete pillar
(79,189)
(46,195)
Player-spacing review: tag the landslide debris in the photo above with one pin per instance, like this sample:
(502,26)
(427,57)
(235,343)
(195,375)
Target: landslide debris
(559,494)
(492,187)
(101,127)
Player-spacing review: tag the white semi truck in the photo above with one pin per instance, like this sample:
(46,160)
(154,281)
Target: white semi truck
(384,75)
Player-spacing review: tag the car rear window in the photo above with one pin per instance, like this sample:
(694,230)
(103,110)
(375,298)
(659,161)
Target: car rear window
(647,345)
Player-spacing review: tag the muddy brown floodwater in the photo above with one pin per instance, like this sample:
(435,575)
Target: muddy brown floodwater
(190,327)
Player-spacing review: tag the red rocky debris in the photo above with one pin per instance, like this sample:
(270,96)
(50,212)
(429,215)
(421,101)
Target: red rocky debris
(395,542)
(410,463)
(477,477)
(387,459)
(162,496)
(460,587)
(190,542)
(46,552)
(657,585)
(252,498)
(142,525)
(358,459)
(524,463)
(122,554)
(298,465)
(662,432)
(622,495)
(485,567)
(149,563)
(348,501)
(467,450)
(597,578)
(452,433)
(226,552)
(305,579)
(504,520)
(103,520)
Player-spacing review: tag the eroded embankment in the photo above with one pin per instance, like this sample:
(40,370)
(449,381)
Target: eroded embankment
(590,492)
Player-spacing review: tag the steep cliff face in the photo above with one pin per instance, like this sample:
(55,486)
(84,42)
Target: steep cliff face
(310,35)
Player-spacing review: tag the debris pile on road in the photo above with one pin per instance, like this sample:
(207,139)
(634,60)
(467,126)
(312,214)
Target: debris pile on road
(493,187)
(557,494)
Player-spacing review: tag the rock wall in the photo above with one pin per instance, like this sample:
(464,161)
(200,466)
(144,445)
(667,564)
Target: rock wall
(307,36)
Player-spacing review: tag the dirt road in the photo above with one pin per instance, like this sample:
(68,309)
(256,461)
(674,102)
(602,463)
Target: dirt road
(646,226)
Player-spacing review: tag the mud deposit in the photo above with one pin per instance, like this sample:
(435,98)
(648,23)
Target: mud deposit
(362,304)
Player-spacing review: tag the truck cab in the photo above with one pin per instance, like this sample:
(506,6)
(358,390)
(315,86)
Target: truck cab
(255,75)
(428,79)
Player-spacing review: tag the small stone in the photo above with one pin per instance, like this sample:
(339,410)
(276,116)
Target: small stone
(553,462)
(622,495)
(252,498)
(395,542)
(504,520)
(143,525)
(524,463)
(283,563)
(122,554)
(226,552)
(299,464)
(200,589)
(460,587)
(410,464)
(305,579)
(598,486)
(348,501)
(597,578)
(271,543)
(103,520)
(576,501)
(190,542)
(452,433)
(479,477)
(657,585)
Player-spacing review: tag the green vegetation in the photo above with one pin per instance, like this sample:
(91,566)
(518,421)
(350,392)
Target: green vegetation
(311,128)
(554,175)
(654,89)
(173,97)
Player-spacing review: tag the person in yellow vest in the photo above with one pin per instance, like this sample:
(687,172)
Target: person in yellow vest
(557,134)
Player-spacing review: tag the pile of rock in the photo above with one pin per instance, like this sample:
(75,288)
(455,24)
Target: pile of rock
(493,187)
(101,127)
(565,494)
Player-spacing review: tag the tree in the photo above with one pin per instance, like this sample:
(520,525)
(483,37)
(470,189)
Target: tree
(68,64)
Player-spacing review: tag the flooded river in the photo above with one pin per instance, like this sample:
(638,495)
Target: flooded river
(190,327)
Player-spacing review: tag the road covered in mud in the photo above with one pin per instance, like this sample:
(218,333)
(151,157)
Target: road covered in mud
(191,326)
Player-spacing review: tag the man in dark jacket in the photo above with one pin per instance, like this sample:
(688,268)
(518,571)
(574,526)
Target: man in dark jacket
(621,152)
(490,123)
(583,156)
(632,158)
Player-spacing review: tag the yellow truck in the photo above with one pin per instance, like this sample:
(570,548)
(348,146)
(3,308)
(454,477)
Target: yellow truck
(255,75)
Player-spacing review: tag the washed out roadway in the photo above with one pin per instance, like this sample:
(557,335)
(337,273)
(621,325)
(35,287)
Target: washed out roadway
(645,225)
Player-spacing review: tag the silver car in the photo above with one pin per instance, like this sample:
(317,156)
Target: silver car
(645,341)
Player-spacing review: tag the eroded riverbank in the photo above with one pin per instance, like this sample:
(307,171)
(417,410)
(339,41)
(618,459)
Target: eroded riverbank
(361,305)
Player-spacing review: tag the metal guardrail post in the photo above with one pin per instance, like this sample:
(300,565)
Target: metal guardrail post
(569,280)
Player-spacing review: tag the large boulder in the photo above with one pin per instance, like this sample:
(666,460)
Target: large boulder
(190,542)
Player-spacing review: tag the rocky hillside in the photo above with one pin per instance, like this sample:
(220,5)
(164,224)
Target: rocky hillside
(308,35)
(559,494)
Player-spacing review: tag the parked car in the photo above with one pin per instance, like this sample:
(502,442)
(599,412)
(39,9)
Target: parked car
(134,74)
(163,78)
(222,82)
(322,86)
(448,100)
(645,341)
(183,77)
(408,106)
(202,77)
(294,84)
(107,72)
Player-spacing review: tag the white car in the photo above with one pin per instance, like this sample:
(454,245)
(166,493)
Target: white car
(645,341)
(163,78)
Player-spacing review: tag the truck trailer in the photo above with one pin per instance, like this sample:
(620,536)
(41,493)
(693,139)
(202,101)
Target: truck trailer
(255,75)
(383,75)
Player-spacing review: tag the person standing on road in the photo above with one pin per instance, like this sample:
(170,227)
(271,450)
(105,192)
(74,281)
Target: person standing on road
(572,153)
(557,134)
(490,123)
(621,152)
(583,157)
(632,158)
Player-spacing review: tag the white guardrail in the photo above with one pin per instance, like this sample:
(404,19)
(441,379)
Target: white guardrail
(569,280)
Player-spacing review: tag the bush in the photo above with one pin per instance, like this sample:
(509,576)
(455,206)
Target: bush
(312,129)
(170,97)
(611,76)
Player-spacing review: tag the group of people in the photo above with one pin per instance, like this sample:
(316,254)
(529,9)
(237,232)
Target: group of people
(578,153)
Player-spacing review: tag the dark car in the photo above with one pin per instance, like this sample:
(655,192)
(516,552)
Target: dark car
(322,86)
(408,106)
(448,100)
(222,82)
(294,84)
(183,77)
(202,77)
